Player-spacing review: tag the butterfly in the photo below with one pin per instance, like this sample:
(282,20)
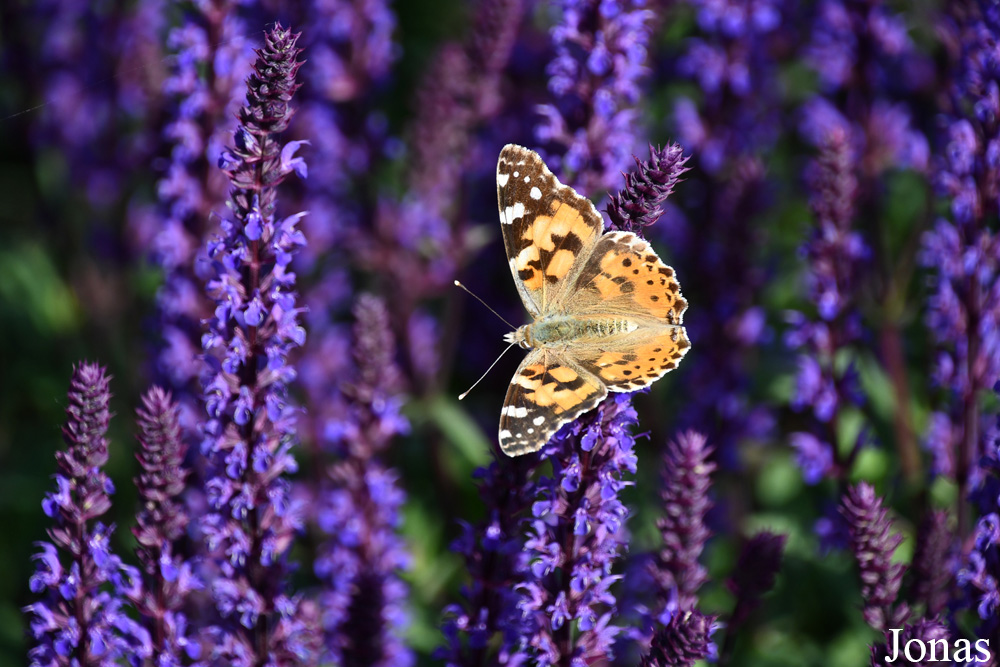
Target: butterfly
(607,312)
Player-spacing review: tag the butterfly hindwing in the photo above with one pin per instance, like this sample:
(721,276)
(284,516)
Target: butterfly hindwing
(548,229)
(547,391)
(625,278)
(634,360)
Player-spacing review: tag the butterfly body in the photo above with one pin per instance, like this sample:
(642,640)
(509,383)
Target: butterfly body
(607,312)
(561,331)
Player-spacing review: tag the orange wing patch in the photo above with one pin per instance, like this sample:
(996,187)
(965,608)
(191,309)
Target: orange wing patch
(625,267)
(550,245)
(638,360)
(560,387)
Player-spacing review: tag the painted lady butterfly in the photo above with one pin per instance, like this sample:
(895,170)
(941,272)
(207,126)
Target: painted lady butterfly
(607,312)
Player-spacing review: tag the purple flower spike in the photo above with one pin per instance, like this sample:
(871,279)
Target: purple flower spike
(932,573)
(756,570)
(359,563)
(577,533)
(685,639)
(686,481)
(962,251)
(638,204)
(837,260)
(873,545)
(159,523)
(600,60)
(79,617)
(496,562)
(250,430)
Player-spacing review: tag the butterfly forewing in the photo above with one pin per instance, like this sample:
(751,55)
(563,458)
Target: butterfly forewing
(547,228)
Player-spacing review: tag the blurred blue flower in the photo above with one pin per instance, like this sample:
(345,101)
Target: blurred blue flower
(962,252)
(359,562)
(837,259)
(595,77)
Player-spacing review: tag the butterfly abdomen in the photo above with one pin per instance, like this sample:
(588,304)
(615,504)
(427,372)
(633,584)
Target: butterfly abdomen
(558,330)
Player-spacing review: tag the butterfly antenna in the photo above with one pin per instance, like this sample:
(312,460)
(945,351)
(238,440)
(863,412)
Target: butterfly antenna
(458,284)
(466,393)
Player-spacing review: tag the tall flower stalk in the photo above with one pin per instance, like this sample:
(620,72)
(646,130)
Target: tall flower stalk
(492,549)
(250,430)
(362,555)
(79,618)
(874,544)
(576,535)
(962,250)
(594,79)
(837,257)
(734,58)
(684,490)
(870,73)
(160,523)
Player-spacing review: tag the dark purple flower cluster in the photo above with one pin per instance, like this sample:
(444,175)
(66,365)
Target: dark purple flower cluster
(684,639)
(638,204)
(734,61)
(925,631)
(160,523)
(79,618)
(595,82)
(250,431)
(422,233)
(684,490)
(837,256)
(90,94)
(496,562)
(963,252)
(577,533)
(866,62)
(874,544)
(360,561)
(755,574)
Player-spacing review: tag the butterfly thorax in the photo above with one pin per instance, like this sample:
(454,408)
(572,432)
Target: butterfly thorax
(559,330)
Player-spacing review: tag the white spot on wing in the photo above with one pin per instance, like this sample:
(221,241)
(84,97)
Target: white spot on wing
(538,421)
(536,193)
(527,178)
(502,179)
(514,212)
(518,412)
(516,174)
(505,434)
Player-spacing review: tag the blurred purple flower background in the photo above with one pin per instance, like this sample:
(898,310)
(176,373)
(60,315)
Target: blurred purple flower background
(248,217)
